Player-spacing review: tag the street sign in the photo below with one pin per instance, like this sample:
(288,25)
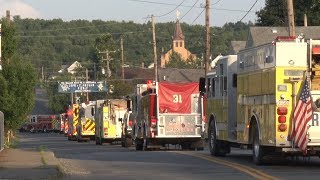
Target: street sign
(72,87)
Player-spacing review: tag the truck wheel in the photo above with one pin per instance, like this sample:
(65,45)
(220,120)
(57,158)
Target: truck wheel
(139,144)
(123,141)
(257,149)
(127,142)
(98,141)
(214,144)
(185,146)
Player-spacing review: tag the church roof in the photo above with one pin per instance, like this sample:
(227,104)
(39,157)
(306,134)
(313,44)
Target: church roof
(178,35)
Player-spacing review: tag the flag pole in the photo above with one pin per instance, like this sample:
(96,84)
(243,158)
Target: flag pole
(294,81)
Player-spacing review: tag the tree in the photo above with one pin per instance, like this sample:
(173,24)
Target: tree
(275,13)
(17,81)
(176,61)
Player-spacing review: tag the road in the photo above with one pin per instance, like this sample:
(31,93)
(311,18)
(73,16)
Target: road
(88,161)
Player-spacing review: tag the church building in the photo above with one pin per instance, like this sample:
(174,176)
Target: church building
(178,46)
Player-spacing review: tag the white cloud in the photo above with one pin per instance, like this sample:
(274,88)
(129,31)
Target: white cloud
(17,7)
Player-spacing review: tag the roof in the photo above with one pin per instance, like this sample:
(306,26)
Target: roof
(178,35)
(236,46)
(180,75)
(137,73)
(255,37)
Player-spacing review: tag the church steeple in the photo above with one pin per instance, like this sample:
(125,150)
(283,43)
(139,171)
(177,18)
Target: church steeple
(178,37)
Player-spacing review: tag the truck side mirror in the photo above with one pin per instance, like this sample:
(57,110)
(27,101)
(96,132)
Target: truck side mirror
(202,85)
(92,111)
(128,104)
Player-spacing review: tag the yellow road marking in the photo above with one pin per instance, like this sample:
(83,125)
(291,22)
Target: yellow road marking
(257,174)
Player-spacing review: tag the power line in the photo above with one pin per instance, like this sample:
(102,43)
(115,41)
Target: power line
(171,10)
(170,4)
(76,35)
(81,27)
(189,10)
(216,2)
(198,15)
(249,10)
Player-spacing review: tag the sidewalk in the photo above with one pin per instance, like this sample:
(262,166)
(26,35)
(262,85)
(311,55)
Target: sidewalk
(25,164)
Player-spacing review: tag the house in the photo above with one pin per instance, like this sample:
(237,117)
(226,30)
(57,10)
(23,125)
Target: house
(262,35)
(258,35)
(70,69)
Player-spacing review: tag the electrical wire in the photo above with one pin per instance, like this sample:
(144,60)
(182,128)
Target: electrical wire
(190,9)
(170,4)
(198,15)
(171,10)
(76,35)
(216,2)
(249,10)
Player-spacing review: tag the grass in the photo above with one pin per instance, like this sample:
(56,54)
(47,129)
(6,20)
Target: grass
(59,169)
(13,143)
(41,149)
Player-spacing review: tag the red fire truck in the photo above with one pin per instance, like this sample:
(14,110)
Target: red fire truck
(169,113)
(42,123)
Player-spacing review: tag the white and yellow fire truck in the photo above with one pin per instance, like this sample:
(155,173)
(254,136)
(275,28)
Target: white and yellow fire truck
(169,113)
(251,98)
(109,115)
(81,126)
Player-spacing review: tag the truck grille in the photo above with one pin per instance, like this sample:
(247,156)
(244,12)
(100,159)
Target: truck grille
(179,125)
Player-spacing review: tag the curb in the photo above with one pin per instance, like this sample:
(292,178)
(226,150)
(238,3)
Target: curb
(51,161)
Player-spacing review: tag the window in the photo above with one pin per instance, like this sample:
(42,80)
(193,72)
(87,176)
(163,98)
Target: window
(177,44)
(180,44)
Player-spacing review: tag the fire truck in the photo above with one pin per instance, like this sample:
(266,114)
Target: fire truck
(109,116)
(250,100)
(129,118)
(169,113)
(42,123)
(81,126)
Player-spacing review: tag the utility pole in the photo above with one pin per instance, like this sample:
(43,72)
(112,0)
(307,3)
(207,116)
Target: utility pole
(107,57)
(0,50)
(42,75)
(122,59)
(207,37)
(8,23)
(292,31)
(155,61)
(87,78)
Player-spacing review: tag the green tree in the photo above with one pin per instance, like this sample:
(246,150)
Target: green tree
(17,81)
(275,13)
(176,61)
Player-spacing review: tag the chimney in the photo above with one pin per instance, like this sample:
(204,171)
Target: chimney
(305,20)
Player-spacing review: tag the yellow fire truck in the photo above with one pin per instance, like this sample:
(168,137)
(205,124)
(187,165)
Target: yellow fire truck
(109,115)
(251,98)
(82,123)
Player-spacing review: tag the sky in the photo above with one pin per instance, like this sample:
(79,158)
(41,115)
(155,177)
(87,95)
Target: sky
(139,11)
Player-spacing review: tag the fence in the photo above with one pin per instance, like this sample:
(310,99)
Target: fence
(1,131)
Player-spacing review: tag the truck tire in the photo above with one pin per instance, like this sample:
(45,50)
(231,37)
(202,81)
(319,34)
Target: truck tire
(128,142)
(257,149)
(123,141)
(139,144)
(214,144)
(98,141)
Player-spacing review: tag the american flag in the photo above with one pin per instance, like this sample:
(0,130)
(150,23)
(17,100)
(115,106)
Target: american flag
(301,116)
